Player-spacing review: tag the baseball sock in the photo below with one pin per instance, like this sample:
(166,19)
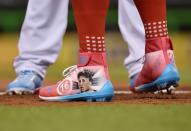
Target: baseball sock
(90,17)
(153,15)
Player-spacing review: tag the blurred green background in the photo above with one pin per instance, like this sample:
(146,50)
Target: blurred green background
(179,22)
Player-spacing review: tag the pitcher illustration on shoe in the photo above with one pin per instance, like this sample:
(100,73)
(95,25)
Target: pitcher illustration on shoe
(87,81)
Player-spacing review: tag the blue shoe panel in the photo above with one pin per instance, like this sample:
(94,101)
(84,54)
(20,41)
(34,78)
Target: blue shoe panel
(26,80)
(170,73)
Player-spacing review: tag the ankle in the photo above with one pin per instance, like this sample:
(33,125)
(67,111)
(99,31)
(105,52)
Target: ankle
(93,59)
(158,44)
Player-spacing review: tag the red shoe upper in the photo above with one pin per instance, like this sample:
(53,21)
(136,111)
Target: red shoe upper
(156,60)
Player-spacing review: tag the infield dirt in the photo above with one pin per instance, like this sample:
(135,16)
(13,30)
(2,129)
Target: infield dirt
(33,100)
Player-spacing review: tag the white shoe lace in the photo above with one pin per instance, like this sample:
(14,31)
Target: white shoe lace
(141,60)
(69,70)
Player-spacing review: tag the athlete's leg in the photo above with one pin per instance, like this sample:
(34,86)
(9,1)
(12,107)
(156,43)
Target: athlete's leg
(132,30)
(41,35)
(157,72)
(39,44)
(89,80)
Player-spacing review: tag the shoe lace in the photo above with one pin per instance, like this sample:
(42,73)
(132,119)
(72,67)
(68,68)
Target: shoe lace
(25,73)
(69,70)
(141,60)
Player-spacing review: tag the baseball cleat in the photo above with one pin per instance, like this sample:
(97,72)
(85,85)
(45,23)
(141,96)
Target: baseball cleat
(81,83)
(167,79)
(89,82)
(158,73)
(27,82)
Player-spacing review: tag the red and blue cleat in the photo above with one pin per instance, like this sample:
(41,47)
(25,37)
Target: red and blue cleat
(159,71)
(88,81)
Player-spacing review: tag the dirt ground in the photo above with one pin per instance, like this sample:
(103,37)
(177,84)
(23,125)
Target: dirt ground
(33,100)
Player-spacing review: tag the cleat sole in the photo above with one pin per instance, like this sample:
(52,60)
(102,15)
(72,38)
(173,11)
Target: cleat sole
(20,91)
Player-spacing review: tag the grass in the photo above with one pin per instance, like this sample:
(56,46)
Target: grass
(119,117)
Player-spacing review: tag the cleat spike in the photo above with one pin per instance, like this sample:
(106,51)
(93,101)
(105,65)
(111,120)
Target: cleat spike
(89,100)
(18,92)
(108,99)
(100,99)
(26,93)
(10,93)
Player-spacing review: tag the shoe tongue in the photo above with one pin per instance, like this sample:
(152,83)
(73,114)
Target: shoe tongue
(26,72)
(169,44)
(92,59)
(84,59)
(156,44)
